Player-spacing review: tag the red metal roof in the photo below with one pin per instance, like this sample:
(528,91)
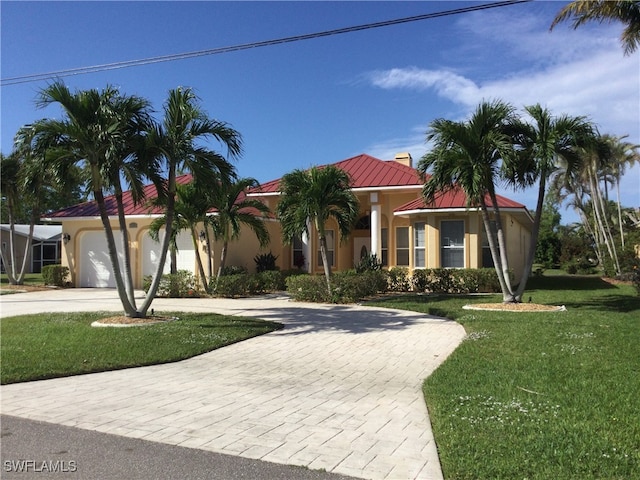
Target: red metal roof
(90,209)
(455,198)
(365,172)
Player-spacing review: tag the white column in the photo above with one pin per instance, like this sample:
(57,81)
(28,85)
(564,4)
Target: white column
(306,250)
(375,225)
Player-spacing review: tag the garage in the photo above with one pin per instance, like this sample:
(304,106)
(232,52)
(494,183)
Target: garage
(95,265)
(186,257)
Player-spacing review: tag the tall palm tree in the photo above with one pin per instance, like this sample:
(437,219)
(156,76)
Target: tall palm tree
(101,130)
(312,197)
(622,155)
(469,155)
(177,143)
(234,209)
(542,144)
(625,11)
(191,208)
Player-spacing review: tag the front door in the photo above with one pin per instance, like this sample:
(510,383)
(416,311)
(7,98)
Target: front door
(361,248)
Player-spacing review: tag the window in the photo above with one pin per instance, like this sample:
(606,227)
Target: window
(330,249)
(384,246)
(298,253)
(44,254)
(402,246)
(452,244)
(419,244)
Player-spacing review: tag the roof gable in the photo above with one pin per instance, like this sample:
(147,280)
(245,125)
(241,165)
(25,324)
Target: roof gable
(365,172)
(454,199)
(90,209)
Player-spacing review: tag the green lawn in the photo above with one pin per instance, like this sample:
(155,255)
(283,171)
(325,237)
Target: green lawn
(29,279)
(60,344)
(540,395)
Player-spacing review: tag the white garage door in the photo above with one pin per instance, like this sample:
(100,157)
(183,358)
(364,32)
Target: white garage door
(96,269)
(186,256)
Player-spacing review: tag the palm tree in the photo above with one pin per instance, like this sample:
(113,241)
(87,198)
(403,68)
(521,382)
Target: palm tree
(101,131)
(312,197)
(176,143)
(234,209)
(622,155)
(191,208)
(469,155)
(542,145)
(625,11)
(10,166)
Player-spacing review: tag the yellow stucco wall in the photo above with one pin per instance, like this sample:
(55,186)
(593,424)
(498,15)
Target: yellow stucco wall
(241,252)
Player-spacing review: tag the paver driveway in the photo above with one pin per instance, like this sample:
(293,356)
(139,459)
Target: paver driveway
(339,388)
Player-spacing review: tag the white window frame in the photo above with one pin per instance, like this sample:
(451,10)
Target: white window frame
(331,246)
(444,247)
(419,244)
(402,249)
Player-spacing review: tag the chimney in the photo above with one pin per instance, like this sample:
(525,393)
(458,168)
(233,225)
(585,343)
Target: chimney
(404,158)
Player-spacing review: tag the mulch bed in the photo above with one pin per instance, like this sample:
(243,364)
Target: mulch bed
(514,307)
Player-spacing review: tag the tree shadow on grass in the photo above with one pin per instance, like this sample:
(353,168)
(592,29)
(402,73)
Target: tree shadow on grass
(609,303)
(568,282)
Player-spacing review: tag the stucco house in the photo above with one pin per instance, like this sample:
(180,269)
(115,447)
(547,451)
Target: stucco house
(394,223)
(45,249)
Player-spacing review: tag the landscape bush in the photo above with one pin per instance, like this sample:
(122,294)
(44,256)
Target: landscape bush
(346,287)
(179,285)
(56,275)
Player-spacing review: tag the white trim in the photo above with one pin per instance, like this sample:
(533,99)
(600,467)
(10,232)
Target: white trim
(460,210)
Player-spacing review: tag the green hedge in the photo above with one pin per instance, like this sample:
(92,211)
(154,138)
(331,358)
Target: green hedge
(458,281)
(179,285)
(55,275)
(346,287)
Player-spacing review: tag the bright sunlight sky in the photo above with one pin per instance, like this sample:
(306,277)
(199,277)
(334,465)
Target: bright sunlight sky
(323,100)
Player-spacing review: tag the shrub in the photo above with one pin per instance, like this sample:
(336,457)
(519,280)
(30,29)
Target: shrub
(399,279)
(346,287)
(308,288)
(351,286)
(271,281)
(370,263)
(179,285)
(265,262)
(237,285)
(55,275)
(420,280)
(233,270)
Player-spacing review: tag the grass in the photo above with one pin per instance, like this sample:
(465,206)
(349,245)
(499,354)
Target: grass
(29,279)
(540,395)
(52,345)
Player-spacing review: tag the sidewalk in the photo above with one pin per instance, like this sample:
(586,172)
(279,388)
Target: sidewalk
(339,388)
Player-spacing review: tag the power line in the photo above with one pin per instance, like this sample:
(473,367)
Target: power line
(246,46)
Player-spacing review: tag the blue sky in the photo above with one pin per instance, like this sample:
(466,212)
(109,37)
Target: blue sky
(323,100)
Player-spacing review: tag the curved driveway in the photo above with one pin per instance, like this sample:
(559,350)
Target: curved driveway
(339,388)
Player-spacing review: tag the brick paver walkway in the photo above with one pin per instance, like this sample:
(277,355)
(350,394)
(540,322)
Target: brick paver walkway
(338,389)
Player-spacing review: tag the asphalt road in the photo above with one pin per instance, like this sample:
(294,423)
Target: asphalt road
(39,450)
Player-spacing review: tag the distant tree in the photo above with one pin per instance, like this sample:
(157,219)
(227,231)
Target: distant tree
(625,11)
(312,197)
(548,247)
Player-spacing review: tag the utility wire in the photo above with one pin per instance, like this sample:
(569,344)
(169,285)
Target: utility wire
(246,46)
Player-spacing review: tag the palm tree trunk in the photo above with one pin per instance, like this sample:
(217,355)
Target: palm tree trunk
(502,246)
(495,255)
(169,214)
(598,207)
(209,254)
(203,278)
(534,239)
(325,261)
(223,258)
(129,309)
(619,211)
(122,222)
